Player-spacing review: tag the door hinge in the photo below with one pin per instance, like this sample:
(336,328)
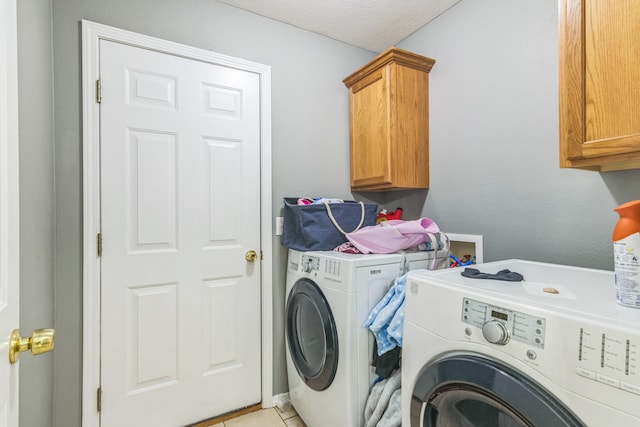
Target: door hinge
(99,399)
(98,91)
(99,243)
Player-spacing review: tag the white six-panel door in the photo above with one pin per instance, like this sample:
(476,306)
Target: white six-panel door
(180,208)
(9,228)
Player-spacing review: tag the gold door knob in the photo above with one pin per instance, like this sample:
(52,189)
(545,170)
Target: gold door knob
(251,256)
(41,341)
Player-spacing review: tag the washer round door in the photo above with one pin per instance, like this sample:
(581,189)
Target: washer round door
(311,335)
(467,390)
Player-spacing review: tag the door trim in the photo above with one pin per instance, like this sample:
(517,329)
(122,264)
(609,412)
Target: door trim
(92,33)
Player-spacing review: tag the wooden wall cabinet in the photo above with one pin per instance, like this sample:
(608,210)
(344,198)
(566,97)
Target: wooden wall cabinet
(599,84)
(389,122)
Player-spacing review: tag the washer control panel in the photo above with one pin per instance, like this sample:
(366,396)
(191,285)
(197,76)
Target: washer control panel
(499,325)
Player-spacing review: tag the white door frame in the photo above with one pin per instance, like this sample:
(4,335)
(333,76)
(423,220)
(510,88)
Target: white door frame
(92,33)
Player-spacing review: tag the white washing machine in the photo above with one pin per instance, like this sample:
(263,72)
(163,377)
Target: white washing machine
(553,350)
(329,295)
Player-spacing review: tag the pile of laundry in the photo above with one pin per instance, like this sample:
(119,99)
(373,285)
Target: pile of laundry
(385,321)
(384,404)
(390,236)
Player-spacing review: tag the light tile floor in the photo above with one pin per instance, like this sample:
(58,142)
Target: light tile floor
(271,417)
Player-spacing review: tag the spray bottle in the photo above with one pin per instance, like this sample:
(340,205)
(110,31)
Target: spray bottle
(626,254)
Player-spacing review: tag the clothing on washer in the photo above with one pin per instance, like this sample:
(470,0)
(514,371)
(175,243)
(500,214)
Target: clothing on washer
(506,274)
(392,236)
(347,248)
(386,318)
(383,407)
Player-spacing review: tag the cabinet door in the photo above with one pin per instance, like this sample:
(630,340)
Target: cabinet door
(599,84)
(370,138)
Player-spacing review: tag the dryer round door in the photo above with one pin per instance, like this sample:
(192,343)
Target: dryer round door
(468,390)
(311,334)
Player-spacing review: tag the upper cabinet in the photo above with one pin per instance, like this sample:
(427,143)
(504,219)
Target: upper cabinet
(389,122)
(599,84)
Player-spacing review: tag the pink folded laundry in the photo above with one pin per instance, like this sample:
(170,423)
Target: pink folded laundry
(392,236)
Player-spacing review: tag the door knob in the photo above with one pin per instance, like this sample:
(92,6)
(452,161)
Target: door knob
(41,341)
(251,256)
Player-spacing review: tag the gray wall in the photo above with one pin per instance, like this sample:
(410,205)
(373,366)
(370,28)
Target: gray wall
(494,146)
(35,90)
(494,139)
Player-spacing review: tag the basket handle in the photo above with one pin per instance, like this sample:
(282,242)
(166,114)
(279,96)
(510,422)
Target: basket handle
(335,223)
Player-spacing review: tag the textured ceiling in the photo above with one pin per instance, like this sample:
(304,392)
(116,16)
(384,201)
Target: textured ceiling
(371,24)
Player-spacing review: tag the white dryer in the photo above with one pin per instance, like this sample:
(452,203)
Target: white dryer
(554,350)
(329,295)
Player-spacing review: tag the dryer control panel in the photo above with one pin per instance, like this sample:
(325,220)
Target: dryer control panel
(499,324)
(310,264)
(609,357)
